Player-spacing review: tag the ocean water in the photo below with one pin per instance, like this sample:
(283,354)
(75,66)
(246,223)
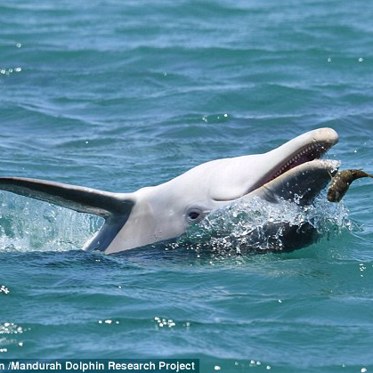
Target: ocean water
(118,95)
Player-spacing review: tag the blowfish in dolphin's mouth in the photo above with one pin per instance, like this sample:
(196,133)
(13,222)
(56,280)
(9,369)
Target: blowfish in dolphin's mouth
(342,181)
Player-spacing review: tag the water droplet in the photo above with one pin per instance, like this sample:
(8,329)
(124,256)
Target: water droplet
(4,289)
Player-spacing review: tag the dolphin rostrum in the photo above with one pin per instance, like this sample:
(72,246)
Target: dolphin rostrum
(293,171)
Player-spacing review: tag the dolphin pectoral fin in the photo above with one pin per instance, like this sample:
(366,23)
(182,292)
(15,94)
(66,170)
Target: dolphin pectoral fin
(114,208)
(301,184)
(81,199)
(105,236)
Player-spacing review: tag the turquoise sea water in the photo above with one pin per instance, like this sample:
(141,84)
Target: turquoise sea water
(121,94)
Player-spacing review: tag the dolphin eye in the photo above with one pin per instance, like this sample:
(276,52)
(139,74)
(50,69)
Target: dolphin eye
(194,215)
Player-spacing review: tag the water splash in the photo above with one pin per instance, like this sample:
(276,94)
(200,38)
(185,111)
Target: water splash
(30,225)
(259,226)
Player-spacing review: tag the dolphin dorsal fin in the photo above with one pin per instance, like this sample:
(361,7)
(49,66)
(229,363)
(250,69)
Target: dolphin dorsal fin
(115,208)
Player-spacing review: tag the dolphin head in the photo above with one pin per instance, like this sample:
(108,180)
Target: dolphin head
(165,211)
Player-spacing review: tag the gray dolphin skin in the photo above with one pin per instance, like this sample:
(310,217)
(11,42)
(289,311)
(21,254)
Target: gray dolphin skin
(293,171)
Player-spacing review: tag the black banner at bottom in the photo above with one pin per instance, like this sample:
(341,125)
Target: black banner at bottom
(99,365)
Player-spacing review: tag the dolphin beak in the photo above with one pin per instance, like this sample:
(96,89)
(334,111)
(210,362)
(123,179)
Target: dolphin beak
(299,151)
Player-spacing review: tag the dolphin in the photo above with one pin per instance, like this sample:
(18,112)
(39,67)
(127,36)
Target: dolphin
(293,171)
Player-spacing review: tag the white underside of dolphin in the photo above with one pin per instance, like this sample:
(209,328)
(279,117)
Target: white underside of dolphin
(293,171)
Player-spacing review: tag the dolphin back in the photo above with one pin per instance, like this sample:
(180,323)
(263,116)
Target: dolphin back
(115,208)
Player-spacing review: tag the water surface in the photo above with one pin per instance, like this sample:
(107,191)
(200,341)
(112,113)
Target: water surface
(119,95)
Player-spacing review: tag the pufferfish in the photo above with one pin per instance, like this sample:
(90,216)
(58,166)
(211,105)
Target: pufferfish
(342,181)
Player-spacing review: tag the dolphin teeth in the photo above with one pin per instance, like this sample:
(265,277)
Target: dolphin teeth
(313,150)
